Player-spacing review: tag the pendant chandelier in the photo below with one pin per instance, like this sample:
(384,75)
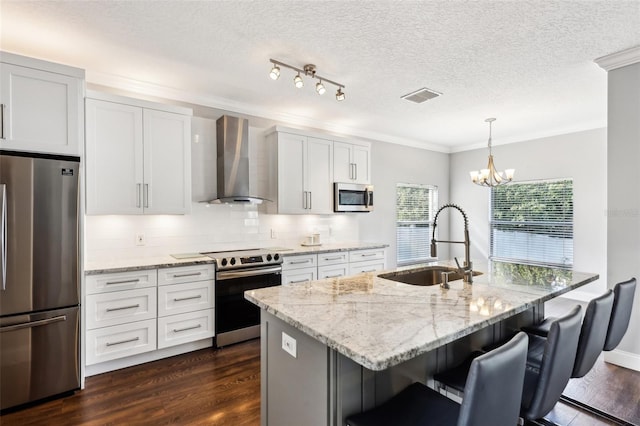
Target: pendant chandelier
(490,176)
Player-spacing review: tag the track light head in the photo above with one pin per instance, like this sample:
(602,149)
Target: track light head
(297,81)
(339,94)
(275,72)
(320,88)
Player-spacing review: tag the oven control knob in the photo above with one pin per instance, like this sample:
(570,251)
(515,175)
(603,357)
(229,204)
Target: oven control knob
(276,256)
(268,258)
(233,260)
(224,262)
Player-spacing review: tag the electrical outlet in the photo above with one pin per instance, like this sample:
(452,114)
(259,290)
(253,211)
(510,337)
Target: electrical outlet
(289,345)
(140,239)
(273,234)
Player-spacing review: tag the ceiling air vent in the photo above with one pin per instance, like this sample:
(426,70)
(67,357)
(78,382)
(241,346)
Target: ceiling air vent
(421,95)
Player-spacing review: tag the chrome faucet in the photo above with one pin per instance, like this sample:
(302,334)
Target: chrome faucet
(467,269)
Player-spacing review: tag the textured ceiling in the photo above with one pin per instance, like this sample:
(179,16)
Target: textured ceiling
(528,63)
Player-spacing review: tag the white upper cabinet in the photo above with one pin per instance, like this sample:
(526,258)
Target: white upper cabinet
(304,174)
(41,106)
(352,162)
(138,157)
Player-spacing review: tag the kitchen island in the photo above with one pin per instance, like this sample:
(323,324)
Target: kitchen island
(334,347)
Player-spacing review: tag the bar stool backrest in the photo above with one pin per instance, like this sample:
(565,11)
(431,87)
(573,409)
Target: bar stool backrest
(621,313)
(593,333)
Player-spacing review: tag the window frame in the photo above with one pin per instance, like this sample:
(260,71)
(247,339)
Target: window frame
(433,207)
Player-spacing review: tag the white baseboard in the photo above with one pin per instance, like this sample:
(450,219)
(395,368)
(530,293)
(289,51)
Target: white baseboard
(623,359)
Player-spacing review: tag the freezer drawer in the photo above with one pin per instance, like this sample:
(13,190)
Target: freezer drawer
(39,356)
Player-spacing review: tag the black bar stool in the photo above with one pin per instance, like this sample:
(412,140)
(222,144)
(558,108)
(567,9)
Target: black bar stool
(492,395)
(621,314)
(550,363)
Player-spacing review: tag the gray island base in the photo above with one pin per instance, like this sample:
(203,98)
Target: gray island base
(335,347)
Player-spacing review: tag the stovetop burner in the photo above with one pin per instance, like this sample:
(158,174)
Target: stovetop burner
(246,258)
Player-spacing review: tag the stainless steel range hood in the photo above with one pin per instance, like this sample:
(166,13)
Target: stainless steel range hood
(233,161)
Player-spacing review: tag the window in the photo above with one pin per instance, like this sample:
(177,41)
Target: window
(532,222)
(415,205)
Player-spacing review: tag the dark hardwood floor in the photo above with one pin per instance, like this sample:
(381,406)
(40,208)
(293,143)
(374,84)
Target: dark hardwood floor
(222,388)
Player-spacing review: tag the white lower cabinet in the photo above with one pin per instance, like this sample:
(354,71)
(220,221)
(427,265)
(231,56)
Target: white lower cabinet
(177,329)
(134,313)
(302,268)
(185,304)
(109,343)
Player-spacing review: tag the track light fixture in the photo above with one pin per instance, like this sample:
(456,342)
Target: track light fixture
(310,71)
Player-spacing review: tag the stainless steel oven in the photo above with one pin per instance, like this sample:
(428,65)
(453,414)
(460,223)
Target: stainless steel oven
(352,197)
(236,272)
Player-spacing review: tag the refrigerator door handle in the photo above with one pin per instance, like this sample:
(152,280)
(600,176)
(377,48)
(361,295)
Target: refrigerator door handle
(3,234)
(32,324)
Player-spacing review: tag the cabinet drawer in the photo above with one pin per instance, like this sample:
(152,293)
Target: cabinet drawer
(333,258)
(182,298)
(297,262)
(183,328)
(186,274)
(366,255)
(298,276)
(369,266)
(105,344)
(333,271)
(121,281)
(120,307)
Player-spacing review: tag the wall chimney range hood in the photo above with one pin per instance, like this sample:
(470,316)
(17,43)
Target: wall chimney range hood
(232,134)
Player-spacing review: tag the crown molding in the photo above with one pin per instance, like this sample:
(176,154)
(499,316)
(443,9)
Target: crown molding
(619,59)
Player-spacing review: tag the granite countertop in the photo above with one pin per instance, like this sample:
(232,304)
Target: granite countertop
(133,264)
(380,323)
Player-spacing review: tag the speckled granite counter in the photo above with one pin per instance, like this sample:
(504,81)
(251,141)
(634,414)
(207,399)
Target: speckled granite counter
(380,323)
(133,264)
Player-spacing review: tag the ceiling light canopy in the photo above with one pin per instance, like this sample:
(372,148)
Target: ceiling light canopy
(490,176)
(310,71)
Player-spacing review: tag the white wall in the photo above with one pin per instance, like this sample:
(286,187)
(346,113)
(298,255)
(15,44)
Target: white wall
(624,198)
(581,156)
(393,164)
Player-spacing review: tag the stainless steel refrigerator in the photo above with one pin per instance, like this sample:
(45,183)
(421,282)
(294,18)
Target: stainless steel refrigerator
(39,287)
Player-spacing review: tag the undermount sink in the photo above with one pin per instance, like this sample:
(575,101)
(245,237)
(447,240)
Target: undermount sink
(430,275)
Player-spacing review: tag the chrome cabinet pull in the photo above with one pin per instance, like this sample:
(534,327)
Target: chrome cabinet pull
(138,194)
(146,195)
(135,339)
(333,276)
(355,171)
(2,121)
(121,308)
(333,258)
(300,281)
(178,330)
(3,237)
(300,262)
(310,205)
(190,274)
(304,200)
(180,299)
(368,270)
(122,281)
(368,254)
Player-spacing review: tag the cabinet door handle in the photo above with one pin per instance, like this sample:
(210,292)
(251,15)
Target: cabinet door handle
(333,258)
(122,281)
(304,200)
(178,330)
(190,274)
(333,276)
(180,299)
(368,270)
(368,254)
(121,308)
(355,171)
(135,339)
(310,205)
(299,281)
(138,195)
(2,121)
(146,195)
(300,262)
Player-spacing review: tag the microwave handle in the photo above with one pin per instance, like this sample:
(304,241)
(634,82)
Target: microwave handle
(366,197)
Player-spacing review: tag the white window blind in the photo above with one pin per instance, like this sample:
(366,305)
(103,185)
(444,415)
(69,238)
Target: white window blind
(414,217)
(532,222)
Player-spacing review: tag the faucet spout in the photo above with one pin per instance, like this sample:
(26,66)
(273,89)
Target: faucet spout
(468,272)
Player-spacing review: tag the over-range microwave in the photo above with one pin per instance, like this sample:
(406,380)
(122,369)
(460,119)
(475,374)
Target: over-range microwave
(352,197)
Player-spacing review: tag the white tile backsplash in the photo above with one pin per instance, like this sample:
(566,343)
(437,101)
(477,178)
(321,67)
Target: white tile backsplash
(208,228)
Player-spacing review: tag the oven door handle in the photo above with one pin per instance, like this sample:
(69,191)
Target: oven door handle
(228,275)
